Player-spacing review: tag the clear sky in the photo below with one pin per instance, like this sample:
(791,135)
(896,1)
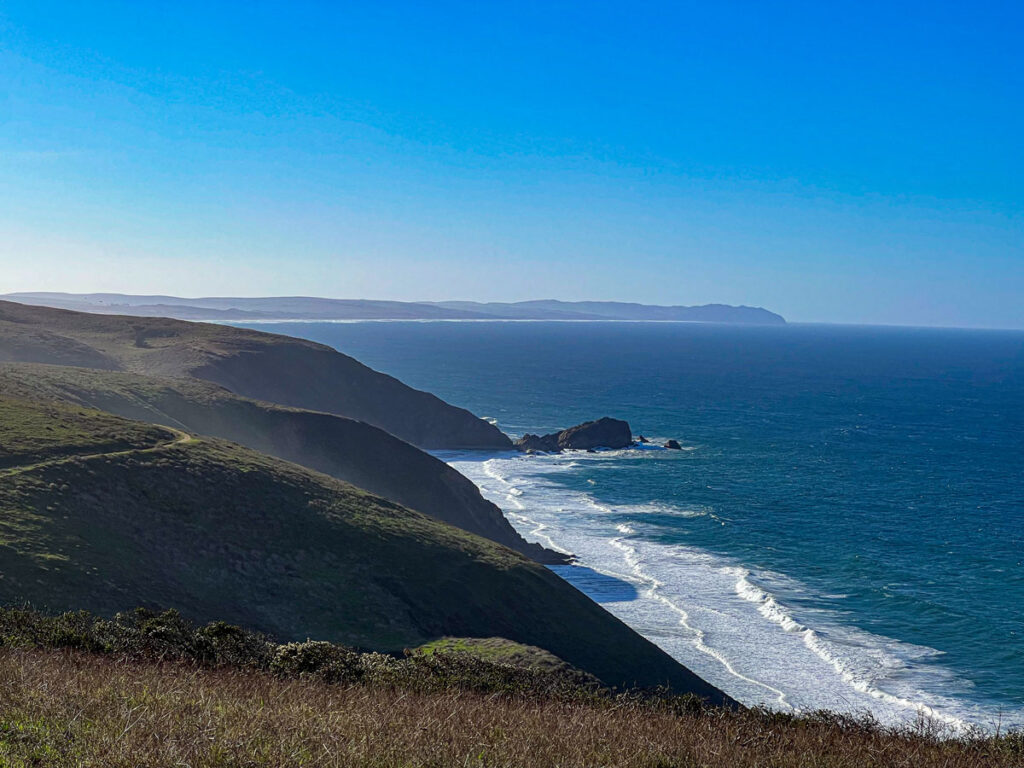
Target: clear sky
(832,161)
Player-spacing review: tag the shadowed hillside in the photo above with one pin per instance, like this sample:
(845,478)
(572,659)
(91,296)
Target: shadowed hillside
(264,366)
(344,448)
(221,532)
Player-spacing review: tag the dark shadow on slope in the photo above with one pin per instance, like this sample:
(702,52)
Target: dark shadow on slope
(598,586)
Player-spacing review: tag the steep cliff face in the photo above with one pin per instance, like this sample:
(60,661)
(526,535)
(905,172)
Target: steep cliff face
(349,450)
(264,366)
(306,375)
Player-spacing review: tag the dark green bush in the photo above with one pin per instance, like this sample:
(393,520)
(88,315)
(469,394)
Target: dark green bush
(23,627)
(142,634)
(166,636)
(327,661)
(222,644)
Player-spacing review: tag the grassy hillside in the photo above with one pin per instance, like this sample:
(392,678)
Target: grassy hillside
(349,450)
(33,433)
(264,366)
(221,532)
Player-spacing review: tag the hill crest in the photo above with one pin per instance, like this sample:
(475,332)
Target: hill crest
(280,369)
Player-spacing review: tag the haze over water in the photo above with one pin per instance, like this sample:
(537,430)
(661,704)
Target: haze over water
(844,529)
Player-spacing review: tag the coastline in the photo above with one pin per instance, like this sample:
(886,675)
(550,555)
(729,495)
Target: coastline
(714,615)
(797,448)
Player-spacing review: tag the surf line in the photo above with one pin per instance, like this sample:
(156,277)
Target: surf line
(511,497)
(639,576)
(768,607)
(653,585)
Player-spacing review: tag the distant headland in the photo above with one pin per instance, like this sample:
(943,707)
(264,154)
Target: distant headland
(313,309)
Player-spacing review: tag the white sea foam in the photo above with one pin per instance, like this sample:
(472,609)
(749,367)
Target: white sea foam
(716,617)
(859,680)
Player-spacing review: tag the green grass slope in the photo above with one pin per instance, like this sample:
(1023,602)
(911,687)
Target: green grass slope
(34,433)
(500,650)
(349,450)
(221,532)
(263,366)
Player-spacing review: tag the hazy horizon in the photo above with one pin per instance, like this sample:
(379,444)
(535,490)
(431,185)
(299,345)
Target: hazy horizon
(831,163)
(200,297)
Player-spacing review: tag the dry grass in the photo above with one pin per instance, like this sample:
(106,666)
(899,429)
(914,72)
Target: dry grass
(72,709)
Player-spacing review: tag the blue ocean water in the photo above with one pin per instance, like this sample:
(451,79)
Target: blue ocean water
(844,529)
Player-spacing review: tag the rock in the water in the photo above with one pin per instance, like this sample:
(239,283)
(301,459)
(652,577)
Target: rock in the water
(642,440)
(673,445)
(538,443)
(603,433)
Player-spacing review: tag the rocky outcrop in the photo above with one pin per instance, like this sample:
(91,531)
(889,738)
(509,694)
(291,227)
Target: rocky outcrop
(603,433)
(673,445)
(538,443)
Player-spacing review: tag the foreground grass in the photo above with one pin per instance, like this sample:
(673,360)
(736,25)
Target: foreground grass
(68,708)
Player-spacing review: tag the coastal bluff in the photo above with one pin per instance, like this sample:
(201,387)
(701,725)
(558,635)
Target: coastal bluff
(367,428)
(284,370)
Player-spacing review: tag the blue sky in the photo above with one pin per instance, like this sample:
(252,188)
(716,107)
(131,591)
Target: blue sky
(841,162)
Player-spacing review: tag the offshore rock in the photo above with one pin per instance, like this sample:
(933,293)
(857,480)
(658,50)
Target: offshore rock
(603,433)
(538,443)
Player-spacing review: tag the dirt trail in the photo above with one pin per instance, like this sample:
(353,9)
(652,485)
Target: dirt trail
(180,438)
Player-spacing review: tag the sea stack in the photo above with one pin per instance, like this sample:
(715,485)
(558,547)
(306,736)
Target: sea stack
(603,433)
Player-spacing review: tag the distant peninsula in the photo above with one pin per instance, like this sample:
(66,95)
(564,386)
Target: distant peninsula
(284,308)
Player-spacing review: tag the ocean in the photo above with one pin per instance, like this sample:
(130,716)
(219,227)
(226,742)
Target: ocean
(843,529)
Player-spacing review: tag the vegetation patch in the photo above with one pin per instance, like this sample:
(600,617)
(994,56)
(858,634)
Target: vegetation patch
(146,636)
(500,650)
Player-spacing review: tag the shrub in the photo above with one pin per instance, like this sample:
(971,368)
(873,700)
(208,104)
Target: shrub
(167,636)
(326,661)
(23,627)
(222,644)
